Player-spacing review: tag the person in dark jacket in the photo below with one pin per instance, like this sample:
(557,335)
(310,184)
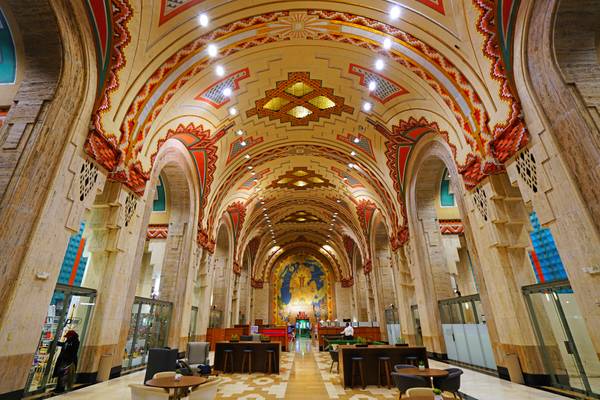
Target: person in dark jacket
(66,364)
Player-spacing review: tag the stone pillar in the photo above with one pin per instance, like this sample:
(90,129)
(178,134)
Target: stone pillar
(343,301)
(404,293)
(72,194)
(500,224)
(204,282)
(113,268)
(261,303)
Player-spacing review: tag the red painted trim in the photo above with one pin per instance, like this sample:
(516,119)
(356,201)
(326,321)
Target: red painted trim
(76,263)
(537,266)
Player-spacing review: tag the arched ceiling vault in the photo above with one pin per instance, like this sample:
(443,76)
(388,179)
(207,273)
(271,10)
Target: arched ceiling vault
(304,113)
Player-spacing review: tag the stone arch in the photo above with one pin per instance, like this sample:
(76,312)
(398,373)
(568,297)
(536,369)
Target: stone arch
(40,153)
(221,276)
(173,163)
(429,267)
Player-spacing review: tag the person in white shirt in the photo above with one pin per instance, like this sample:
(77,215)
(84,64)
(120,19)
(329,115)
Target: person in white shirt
(348,332)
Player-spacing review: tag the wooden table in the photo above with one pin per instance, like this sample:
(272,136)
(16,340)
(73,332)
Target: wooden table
(259,355)
(426,372)
(370,357)
(180,387)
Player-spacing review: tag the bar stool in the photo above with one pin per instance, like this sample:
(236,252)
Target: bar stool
(270,361)
(387,367)
(358,361)
(412,360)
(228,357)
(247,358)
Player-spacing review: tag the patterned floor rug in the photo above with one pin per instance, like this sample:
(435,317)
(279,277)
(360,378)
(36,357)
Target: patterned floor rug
(258,386)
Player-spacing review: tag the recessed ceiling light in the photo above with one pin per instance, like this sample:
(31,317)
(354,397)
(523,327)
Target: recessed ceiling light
(247,156)
(249,166)
(243,143)
(219,70)
(372,86)
(264,209)
(357,140)
(395,12)
(387,43)
(232,111)
(379,64)
(350,165)
(213,50)
(367,106)
(338,201)
(227,92)
(203,20)
(239,132)
(253,173)
(353,153)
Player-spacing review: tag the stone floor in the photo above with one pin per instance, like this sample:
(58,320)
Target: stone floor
(305,375)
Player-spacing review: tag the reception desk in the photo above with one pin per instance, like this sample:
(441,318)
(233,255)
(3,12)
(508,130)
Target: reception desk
(371,334)
(370,360)
(259,356)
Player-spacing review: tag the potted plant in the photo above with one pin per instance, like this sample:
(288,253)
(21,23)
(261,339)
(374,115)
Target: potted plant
(400,342)
(421,365)
(361,342)
(437,394)
(234,338)
(265,338)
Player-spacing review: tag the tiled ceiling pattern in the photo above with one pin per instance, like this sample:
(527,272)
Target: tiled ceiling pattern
(301,217)
(300,178)
(299,100)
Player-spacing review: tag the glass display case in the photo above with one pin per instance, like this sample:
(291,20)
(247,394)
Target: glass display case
(69,309)
(148,328)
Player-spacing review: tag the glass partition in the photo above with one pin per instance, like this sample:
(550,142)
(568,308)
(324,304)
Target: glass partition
(567,349)
(465,332)
(148,328)
(70,309)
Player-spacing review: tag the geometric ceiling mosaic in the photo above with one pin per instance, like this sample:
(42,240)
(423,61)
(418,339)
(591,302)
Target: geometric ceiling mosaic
(240,145)
(359,142)
(300,178)
(253,180)
(299,100)
(171,8)
(301,217)
(385,89)
(347,178)
(214,94)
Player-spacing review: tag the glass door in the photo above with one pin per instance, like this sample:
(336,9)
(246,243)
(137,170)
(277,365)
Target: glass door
(567,349)
(417,322)
(148,328)
(193,321)
(69,309)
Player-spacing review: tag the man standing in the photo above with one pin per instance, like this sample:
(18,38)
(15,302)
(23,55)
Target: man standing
(348,332)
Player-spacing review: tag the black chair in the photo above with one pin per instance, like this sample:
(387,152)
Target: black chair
(160,360)
(384,362)
(247,358)
(358,362)
(398,367)
(270,361)
(228,359)
(450,383)
(404,382)
(335,359)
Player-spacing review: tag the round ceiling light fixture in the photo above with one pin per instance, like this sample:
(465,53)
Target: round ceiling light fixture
(395,12)
(387,43)
(367,106)
(232,111)
(212,50)
(227,92)
(372,86)
(203,20)
(219,70)
(379,64)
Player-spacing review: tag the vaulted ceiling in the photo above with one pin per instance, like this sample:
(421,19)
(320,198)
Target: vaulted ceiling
(301,113)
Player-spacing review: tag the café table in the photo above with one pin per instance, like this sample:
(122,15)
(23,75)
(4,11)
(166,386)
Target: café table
(180,387)
(425,372)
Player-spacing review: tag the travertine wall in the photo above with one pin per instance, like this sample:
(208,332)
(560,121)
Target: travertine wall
(343,301)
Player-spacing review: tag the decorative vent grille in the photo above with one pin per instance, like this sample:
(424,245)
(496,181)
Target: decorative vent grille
(214,95)
(88,175)
(527,169)
(480,198)
(385,89)
(130,205)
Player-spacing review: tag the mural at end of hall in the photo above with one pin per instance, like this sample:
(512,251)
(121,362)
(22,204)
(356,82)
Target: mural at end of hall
(302,284)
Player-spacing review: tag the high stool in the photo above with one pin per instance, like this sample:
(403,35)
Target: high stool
(270,361)
(247,358)
(387,367)
(358,361)
(228,357)
(412,360)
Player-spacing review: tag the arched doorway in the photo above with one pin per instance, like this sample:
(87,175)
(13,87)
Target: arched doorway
(448,308)
(220,304)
